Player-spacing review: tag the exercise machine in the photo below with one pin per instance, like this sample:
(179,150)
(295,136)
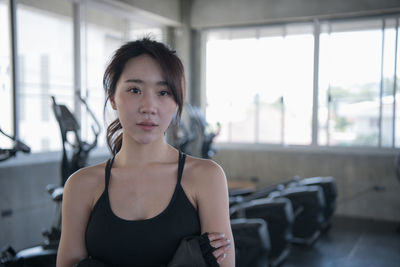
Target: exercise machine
(18,146)
(308,206)
(194,135)
(44,255)
(36,256)
(252,243)
(277,212)
(80,149)
(296,211)
(329,188)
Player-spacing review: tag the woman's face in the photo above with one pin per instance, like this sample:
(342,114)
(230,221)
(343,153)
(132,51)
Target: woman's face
(143,100)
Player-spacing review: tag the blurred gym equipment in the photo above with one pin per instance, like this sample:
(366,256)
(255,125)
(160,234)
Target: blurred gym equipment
(252,243)
(194,135)
(18,146)
(277,212)
(44,255)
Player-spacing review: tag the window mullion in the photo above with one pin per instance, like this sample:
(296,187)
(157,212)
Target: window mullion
(314,137)
(283,117)
(77,60)
(381,87)
(257,118)
(395,85)
(14,66)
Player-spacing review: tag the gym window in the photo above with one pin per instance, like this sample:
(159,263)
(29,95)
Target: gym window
(262,83)
(45,64)
(259,84)
(44,68)
(357,84)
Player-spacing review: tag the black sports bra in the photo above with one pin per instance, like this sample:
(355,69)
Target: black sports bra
(150,242)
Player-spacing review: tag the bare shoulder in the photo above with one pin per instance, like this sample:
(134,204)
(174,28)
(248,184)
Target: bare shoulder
(88,181)
(204,172)
(87,175)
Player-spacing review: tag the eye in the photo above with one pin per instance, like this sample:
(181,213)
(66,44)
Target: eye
(134,90)
(165,93)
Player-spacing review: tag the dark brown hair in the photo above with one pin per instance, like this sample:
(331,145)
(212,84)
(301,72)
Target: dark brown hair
(171,67)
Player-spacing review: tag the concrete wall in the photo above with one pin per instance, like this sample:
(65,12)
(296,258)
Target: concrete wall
(26,208)
(217,13)
(367,184)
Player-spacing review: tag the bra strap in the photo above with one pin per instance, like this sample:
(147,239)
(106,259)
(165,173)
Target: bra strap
(182,157)
(108,170)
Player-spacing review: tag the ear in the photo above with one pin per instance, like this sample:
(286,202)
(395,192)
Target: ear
(112,101)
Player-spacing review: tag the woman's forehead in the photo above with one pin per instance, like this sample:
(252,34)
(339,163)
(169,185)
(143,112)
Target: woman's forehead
(141,62)
(143,68)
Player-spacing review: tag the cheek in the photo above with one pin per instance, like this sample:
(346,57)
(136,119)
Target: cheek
(118,99)
(125,110)
(124,103)
(170,112)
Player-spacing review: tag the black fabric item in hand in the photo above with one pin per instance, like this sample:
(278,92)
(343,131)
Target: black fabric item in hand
(207,250)
(194,251)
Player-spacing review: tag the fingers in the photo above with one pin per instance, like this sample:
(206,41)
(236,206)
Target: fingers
(215,236)
(221,245)
(221,258)
(220,254)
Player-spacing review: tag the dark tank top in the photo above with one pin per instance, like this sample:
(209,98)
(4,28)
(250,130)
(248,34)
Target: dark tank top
(149,242)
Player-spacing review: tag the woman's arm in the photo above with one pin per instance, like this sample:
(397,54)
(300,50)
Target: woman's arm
(213,207)
(76,208)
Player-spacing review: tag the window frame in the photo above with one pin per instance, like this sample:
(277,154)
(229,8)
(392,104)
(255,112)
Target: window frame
(317,22)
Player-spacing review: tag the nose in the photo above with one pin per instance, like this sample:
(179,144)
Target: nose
(147,104)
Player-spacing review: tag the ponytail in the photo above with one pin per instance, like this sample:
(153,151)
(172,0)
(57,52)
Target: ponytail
(114,136)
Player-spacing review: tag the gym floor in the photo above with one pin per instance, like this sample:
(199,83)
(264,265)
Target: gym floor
(351,242)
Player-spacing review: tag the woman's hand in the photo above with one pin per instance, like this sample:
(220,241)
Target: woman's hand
(221,245)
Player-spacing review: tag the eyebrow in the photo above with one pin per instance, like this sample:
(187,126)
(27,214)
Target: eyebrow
(141,81)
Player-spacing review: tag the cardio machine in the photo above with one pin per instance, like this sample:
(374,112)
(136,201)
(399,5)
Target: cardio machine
(296,211)
(69,165)
(44,255)
(18,146)
(80,151)
(194,134)
(278,214)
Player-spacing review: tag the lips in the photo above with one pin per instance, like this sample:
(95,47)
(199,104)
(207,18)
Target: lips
(147,125)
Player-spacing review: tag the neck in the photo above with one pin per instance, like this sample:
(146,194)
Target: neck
(133,154)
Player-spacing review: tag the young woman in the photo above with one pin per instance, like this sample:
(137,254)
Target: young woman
(135,209)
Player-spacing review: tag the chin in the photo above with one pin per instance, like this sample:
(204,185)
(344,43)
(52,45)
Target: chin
(145,140)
